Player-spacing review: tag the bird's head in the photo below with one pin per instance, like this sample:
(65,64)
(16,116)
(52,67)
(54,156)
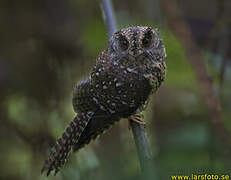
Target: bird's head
(137,41)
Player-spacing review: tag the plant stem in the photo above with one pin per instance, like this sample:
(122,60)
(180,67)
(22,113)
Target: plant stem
(108,16)
(137,129)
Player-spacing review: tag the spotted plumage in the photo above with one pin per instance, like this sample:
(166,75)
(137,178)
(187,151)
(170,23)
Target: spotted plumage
(127,72)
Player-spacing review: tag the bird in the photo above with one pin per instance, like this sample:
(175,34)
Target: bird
(126,73)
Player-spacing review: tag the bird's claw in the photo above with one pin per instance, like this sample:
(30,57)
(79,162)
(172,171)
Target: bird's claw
(138,118)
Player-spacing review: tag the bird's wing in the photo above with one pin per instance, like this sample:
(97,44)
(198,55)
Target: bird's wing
(83,97)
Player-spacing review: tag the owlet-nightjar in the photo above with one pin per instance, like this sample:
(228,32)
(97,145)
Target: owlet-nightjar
(126,73)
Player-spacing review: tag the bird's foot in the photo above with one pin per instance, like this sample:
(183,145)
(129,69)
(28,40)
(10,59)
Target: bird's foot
(138,118)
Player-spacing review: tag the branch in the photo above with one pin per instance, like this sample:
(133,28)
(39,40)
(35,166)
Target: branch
(142,149)
(197,61)
(108,16)
(137,129)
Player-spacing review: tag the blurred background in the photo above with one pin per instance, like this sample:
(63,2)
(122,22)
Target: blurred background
(47,46)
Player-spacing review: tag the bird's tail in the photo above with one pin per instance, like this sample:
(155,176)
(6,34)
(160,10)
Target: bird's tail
(96,127)
(60,151)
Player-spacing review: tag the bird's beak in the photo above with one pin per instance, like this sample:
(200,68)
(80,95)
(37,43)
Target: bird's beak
(135,53)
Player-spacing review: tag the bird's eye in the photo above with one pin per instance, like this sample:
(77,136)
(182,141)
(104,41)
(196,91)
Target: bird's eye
(147,39)
(123,42)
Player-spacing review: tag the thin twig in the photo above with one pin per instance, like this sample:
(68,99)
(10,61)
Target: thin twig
(137,129)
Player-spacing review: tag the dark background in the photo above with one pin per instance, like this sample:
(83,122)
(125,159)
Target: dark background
(47,46)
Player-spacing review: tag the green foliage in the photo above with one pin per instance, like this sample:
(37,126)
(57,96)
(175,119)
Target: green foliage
(180,72)
(39,65)
(94,37)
